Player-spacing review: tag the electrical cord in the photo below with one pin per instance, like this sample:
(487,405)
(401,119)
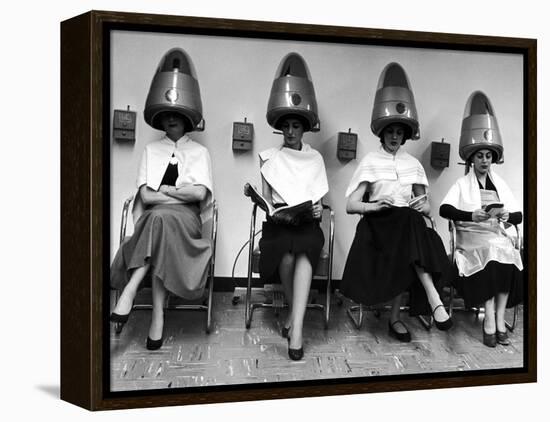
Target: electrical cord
(237,257)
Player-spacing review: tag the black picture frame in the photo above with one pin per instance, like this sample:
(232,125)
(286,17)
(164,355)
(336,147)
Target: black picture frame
(84,204)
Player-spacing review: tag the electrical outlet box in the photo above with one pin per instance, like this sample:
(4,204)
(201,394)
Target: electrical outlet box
(440,154)
(347,146)
(124,125)
(243,134)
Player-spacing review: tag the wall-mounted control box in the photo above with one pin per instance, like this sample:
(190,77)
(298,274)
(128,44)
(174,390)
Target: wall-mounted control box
(347,145)
(243,134)
(440,154)
(124,125)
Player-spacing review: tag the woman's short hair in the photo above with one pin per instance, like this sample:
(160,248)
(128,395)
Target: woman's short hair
(302,119)
(406,129)
(188,126)
(494,155)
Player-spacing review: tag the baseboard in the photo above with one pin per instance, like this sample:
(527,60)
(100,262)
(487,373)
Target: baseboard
(228,284)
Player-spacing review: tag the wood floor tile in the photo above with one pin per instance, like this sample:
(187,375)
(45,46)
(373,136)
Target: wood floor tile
(231,354)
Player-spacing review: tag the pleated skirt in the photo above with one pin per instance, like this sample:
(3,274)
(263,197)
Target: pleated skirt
(169,238)
(386,247)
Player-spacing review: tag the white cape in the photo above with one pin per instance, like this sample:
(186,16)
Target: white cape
(297,176)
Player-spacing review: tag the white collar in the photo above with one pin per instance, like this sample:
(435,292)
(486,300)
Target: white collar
(296,175)
(387,154)
(179,143)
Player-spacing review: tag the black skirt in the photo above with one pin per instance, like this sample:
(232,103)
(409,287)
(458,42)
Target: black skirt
(279,239)
(493,279)
(387,246)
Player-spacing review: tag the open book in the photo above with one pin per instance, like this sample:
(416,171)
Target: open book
(420,199)
(292,215)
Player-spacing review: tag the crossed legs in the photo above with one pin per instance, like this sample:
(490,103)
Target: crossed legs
(126,300)
(440,314)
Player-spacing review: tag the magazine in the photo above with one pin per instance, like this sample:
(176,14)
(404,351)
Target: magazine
(292,215)
(494,209)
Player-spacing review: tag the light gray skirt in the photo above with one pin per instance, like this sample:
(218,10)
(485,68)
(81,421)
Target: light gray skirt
(169,238)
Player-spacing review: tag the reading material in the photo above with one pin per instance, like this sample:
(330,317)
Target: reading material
(420,199)
(292,215)
(494,209)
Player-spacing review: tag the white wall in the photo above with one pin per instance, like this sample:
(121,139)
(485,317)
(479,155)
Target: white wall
(235,77)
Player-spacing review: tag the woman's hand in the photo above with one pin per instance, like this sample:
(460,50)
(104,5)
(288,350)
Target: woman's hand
(422,207)
(166,188)
(480,215)
(503,215)
(381,204)
(316,211)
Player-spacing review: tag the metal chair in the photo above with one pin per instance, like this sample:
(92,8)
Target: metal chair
(360,309)
(277,302)
(477,311)
(210,230)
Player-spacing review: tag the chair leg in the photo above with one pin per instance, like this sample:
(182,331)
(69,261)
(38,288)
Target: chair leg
(427,323)
(451,300)
(327,302)
(512,326)
(209,305)
(357,321)
(248,305)
(248,309)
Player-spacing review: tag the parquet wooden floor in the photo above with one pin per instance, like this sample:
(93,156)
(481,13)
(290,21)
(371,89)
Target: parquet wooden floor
(231,354)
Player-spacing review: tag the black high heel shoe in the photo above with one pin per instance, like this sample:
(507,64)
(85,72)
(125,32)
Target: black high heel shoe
(295,354)
(489,340)
(502,338)
(154,344)
(118,318)
(442,325)
(402,337)
(121,319)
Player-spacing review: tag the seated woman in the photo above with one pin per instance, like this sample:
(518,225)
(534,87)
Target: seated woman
(291,174)
(489,266)
(393,250)
(174,181)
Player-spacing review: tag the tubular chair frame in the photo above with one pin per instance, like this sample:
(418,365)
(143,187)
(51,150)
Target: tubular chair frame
(360,310)
(251,306)
(207,304)
(452,241)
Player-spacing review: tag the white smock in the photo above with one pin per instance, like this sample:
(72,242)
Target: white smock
(479,243)
(389,175)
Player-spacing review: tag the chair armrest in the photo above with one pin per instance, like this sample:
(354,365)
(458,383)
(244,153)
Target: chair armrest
(214,236)
(214,233)
(331,224)
(452,238)
(517,242)
(124,218)
(431,220)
